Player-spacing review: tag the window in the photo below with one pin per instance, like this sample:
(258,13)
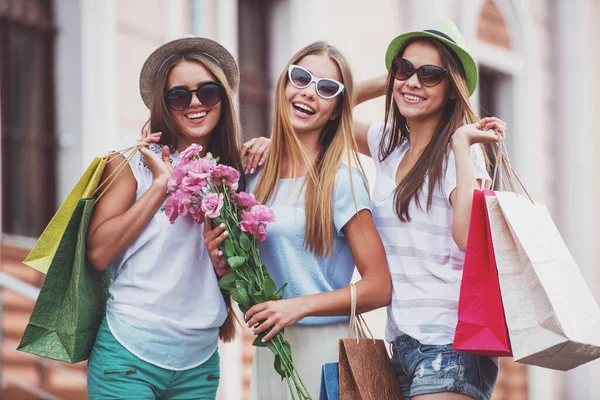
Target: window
(27,115)
(254,67)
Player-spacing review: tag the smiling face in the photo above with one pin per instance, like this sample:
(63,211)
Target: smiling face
(197,121)
(413,99)
(308,111)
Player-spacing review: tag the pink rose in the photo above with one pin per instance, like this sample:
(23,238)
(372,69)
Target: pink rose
(201,167)
(171,209)
(184,201)
(263,213)
(177,204)
(254,221)
(177,176)
(225,174)
(249,223)
(192,183)
(212,204)
(222,268)
(246,200)
(196,212)
(189,153)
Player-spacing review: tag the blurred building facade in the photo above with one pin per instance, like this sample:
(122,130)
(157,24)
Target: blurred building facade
(69,74)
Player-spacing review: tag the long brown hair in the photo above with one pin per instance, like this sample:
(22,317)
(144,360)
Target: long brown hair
(457,112)
(224,139)
(337,138)
(223,143)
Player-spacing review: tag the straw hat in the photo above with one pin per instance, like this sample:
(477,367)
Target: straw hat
(186,45)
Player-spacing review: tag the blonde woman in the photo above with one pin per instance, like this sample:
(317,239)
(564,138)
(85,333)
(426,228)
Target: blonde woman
(324,225)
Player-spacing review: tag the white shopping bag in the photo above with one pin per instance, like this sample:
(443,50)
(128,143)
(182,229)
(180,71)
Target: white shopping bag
(552,317)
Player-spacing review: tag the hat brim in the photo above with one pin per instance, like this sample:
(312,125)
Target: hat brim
(468,63)
(152,66)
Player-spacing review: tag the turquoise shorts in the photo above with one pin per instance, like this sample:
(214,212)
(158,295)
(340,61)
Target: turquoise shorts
(115,373)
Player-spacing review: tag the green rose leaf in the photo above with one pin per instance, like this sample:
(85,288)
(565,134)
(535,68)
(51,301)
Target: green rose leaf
(227,282)
(259,296)
(269,286)
(229,249)
(242,293)
(244,242)
(287,348)
(279,294)
(235,261)
(280,367)
(258,341)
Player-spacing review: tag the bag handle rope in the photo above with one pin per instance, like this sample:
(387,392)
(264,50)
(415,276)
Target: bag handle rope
(357,327)
(503,165)
(110,179)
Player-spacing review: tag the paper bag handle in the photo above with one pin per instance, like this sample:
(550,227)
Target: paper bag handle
(503,164)
(357,327)
(110,179)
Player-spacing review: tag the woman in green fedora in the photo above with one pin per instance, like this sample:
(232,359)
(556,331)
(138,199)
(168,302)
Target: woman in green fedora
(429,159)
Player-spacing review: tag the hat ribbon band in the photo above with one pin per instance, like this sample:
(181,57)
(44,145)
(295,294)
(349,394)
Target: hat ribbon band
(438,33)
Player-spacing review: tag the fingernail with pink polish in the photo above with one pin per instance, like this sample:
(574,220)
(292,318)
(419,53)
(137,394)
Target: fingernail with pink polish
(261,162)
(252,170)
(246,171)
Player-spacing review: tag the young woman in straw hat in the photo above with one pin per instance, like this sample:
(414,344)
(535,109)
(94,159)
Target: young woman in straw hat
(166,312)
(324,225)
(429,159)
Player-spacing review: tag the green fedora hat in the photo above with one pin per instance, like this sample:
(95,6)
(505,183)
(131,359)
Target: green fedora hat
(446,32)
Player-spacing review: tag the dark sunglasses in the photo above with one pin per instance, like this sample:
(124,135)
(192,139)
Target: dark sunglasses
(302,78)
(429,75)
(180,98)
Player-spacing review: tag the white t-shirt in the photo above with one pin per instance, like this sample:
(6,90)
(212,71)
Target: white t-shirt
(166,306)
(425,262)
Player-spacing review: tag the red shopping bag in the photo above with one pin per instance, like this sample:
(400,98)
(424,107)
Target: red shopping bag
(481,327)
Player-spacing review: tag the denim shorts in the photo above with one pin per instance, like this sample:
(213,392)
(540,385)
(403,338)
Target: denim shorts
(422,369)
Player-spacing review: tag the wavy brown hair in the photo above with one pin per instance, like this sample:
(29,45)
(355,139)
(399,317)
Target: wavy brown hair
(457,112)
(223,142)
(336,140)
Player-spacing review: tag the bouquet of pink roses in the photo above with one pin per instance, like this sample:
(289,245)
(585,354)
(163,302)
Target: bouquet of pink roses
(200,186)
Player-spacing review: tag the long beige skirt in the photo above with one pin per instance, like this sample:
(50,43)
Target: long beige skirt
(312,346)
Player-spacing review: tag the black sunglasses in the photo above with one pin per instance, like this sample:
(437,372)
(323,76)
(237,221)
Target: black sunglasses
(429,75)
(180,98)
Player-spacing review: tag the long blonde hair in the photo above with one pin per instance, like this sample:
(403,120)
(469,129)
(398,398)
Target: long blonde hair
(457,112)
(337,138)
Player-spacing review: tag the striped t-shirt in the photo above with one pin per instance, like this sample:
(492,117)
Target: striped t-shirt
(425,262)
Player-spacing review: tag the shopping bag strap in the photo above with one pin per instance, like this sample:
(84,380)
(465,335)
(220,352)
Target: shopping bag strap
(503,166)
(357,327)
(128,153)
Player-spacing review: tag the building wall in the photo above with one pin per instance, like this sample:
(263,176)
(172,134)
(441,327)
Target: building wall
(551,100)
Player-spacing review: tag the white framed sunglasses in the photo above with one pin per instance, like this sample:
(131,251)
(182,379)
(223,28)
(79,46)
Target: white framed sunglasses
(302,78)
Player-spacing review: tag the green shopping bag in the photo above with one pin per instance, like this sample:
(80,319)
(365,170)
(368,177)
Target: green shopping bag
(72,301)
